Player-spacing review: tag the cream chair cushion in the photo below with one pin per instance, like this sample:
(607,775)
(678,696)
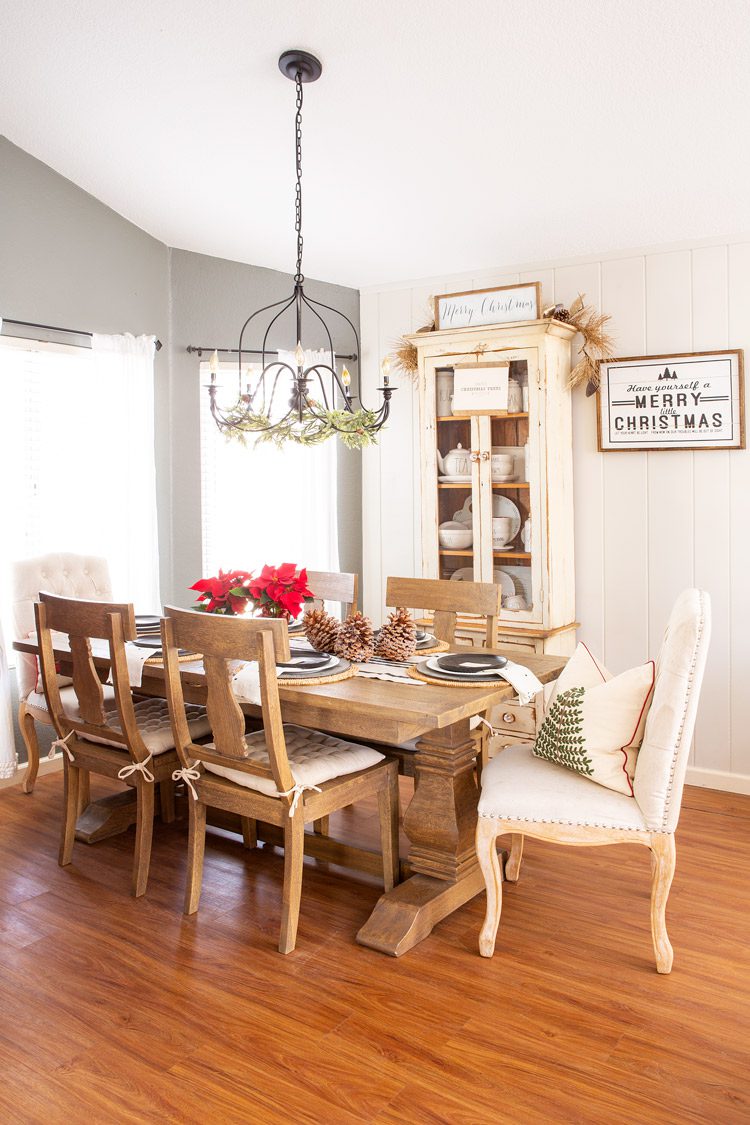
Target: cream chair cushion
(37,703)
(595,721)
(314,757)
(69,575)
(518,786)
(155,727)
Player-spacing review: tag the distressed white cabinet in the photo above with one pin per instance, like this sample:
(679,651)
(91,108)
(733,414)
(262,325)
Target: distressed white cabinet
(538,575)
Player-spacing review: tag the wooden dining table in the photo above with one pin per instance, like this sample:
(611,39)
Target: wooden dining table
(440,820)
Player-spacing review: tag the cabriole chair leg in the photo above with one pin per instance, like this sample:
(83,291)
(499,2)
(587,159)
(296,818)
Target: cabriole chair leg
(663,858)
(489,862)
(31,742)
(513,866)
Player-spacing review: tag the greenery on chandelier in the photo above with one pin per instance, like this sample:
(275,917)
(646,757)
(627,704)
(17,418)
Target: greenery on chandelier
(356,429)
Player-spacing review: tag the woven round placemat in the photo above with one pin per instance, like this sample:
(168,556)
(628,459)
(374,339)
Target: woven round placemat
(428,679)
(186,656)
(440,646)
(316,680)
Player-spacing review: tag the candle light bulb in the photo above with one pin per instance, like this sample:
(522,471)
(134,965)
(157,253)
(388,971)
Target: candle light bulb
(385,370)
(299,354)
(346,378)
(213,365)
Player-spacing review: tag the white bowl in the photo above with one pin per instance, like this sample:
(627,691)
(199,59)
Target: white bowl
(454,539)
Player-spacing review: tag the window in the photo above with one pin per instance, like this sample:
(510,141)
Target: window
(261,504)
(77,461)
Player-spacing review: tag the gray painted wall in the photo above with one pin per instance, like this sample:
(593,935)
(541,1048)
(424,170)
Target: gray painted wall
(68,260)
(211,299)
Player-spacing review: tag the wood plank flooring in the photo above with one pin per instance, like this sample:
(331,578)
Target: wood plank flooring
(113,1010)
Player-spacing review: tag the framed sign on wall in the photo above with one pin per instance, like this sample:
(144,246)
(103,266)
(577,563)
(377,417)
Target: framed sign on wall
(694,400)
(483,307)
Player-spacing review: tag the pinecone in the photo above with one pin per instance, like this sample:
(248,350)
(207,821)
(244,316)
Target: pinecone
(321,629)
(557,312)
(355,640)
(397,639)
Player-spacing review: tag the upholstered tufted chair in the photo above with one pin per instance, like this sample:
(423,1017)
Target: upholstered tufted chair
(527,796)
(72,576)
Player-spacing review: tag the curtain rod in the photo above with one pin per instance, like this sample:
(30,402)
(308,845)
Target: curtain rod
(194,349)
(53,328)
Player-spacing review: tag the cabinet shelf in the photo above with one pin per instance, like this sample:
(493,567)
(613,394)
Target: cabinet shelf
(469,553)
(458,418)
(495,484)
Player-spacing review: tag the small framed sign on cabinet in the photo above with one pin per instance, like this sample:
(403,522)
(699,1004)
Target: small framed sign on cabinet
(480,388)
(505,304)
(694,400)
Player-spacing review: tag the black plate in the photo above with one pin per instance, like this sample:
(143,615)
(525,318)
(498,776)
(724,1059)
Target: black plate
(304,661)
(143,643)
(492,675)
(458,661)
(308,673)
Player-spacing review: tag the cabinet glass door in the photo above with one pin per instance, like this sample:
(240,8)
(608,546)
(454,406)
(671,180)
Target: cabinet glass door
(488,486)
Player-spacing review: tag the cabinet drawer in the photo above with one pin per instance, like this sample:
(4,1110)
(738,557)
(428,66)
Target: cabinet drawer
(512,718)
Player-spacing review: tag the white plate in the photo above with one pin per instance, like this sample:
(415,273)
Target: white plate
(454,480)
(504,479)
(463,574)
(505,581)
(502,506)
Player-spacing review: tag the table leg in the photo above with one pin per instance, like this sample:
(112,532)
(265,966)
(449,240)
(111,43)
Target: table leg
(440,823)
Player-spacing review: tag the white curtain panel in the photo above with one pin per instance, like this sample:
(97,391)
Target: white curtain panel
(7,744)
(128,528)
(261,504)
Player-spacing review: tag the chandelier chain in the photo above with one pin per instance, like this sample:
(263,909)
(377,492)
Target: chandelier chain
(298,191)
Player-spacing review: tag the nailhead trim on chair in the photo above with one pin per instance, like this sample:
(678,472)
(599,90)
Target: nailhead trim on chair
(678,740)
(570,823)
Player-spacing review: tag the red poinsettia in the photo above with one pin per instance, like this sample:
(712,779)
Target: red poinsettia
(228,593)
(279,591)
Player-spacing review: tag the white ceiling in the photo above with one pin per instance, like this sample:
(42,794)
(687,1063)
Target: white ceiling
(444,135)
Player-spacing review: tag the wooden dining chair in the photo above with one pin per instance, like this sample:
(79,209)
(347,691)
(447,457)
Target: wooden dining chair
(331,586)
(523,795)
(106,731)
(282,775)
(446,600)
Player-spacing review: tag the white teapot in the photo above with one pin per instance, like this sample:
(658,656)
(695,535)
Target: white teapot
(456,463)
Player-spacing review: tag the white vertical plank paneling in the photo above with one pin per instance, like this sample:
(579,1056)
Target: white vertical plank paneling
(588,481)
(670,473)
(646,524)
(712,519)
(739,337)
(371,531)
(625,487)
(422,312)
(398,488)
(547,278)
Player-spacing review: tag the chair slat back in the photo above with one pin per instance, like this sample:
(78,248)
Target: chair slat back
(446,600)
(223,641)
(84,621)
(331,586)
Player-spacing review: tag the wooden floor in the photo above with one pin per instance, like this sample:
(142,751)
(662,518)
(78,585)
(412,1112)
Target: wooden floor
(113,1010)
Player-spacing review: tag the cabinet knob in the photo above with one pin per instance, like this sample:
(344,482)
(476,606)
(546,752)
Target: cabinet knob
(474,456)
(486,455)
(509,717)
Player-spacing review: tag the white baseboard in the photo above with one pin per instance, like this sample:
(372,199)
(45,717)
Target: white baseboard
(718,779)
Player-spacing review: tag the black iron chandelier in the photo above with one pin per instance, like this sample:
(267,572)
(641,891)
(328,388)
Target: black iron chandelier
(295,402)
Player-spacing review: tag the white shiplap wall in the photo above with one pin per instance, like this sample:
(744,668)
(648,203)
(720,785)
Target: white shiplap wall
(646,524)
